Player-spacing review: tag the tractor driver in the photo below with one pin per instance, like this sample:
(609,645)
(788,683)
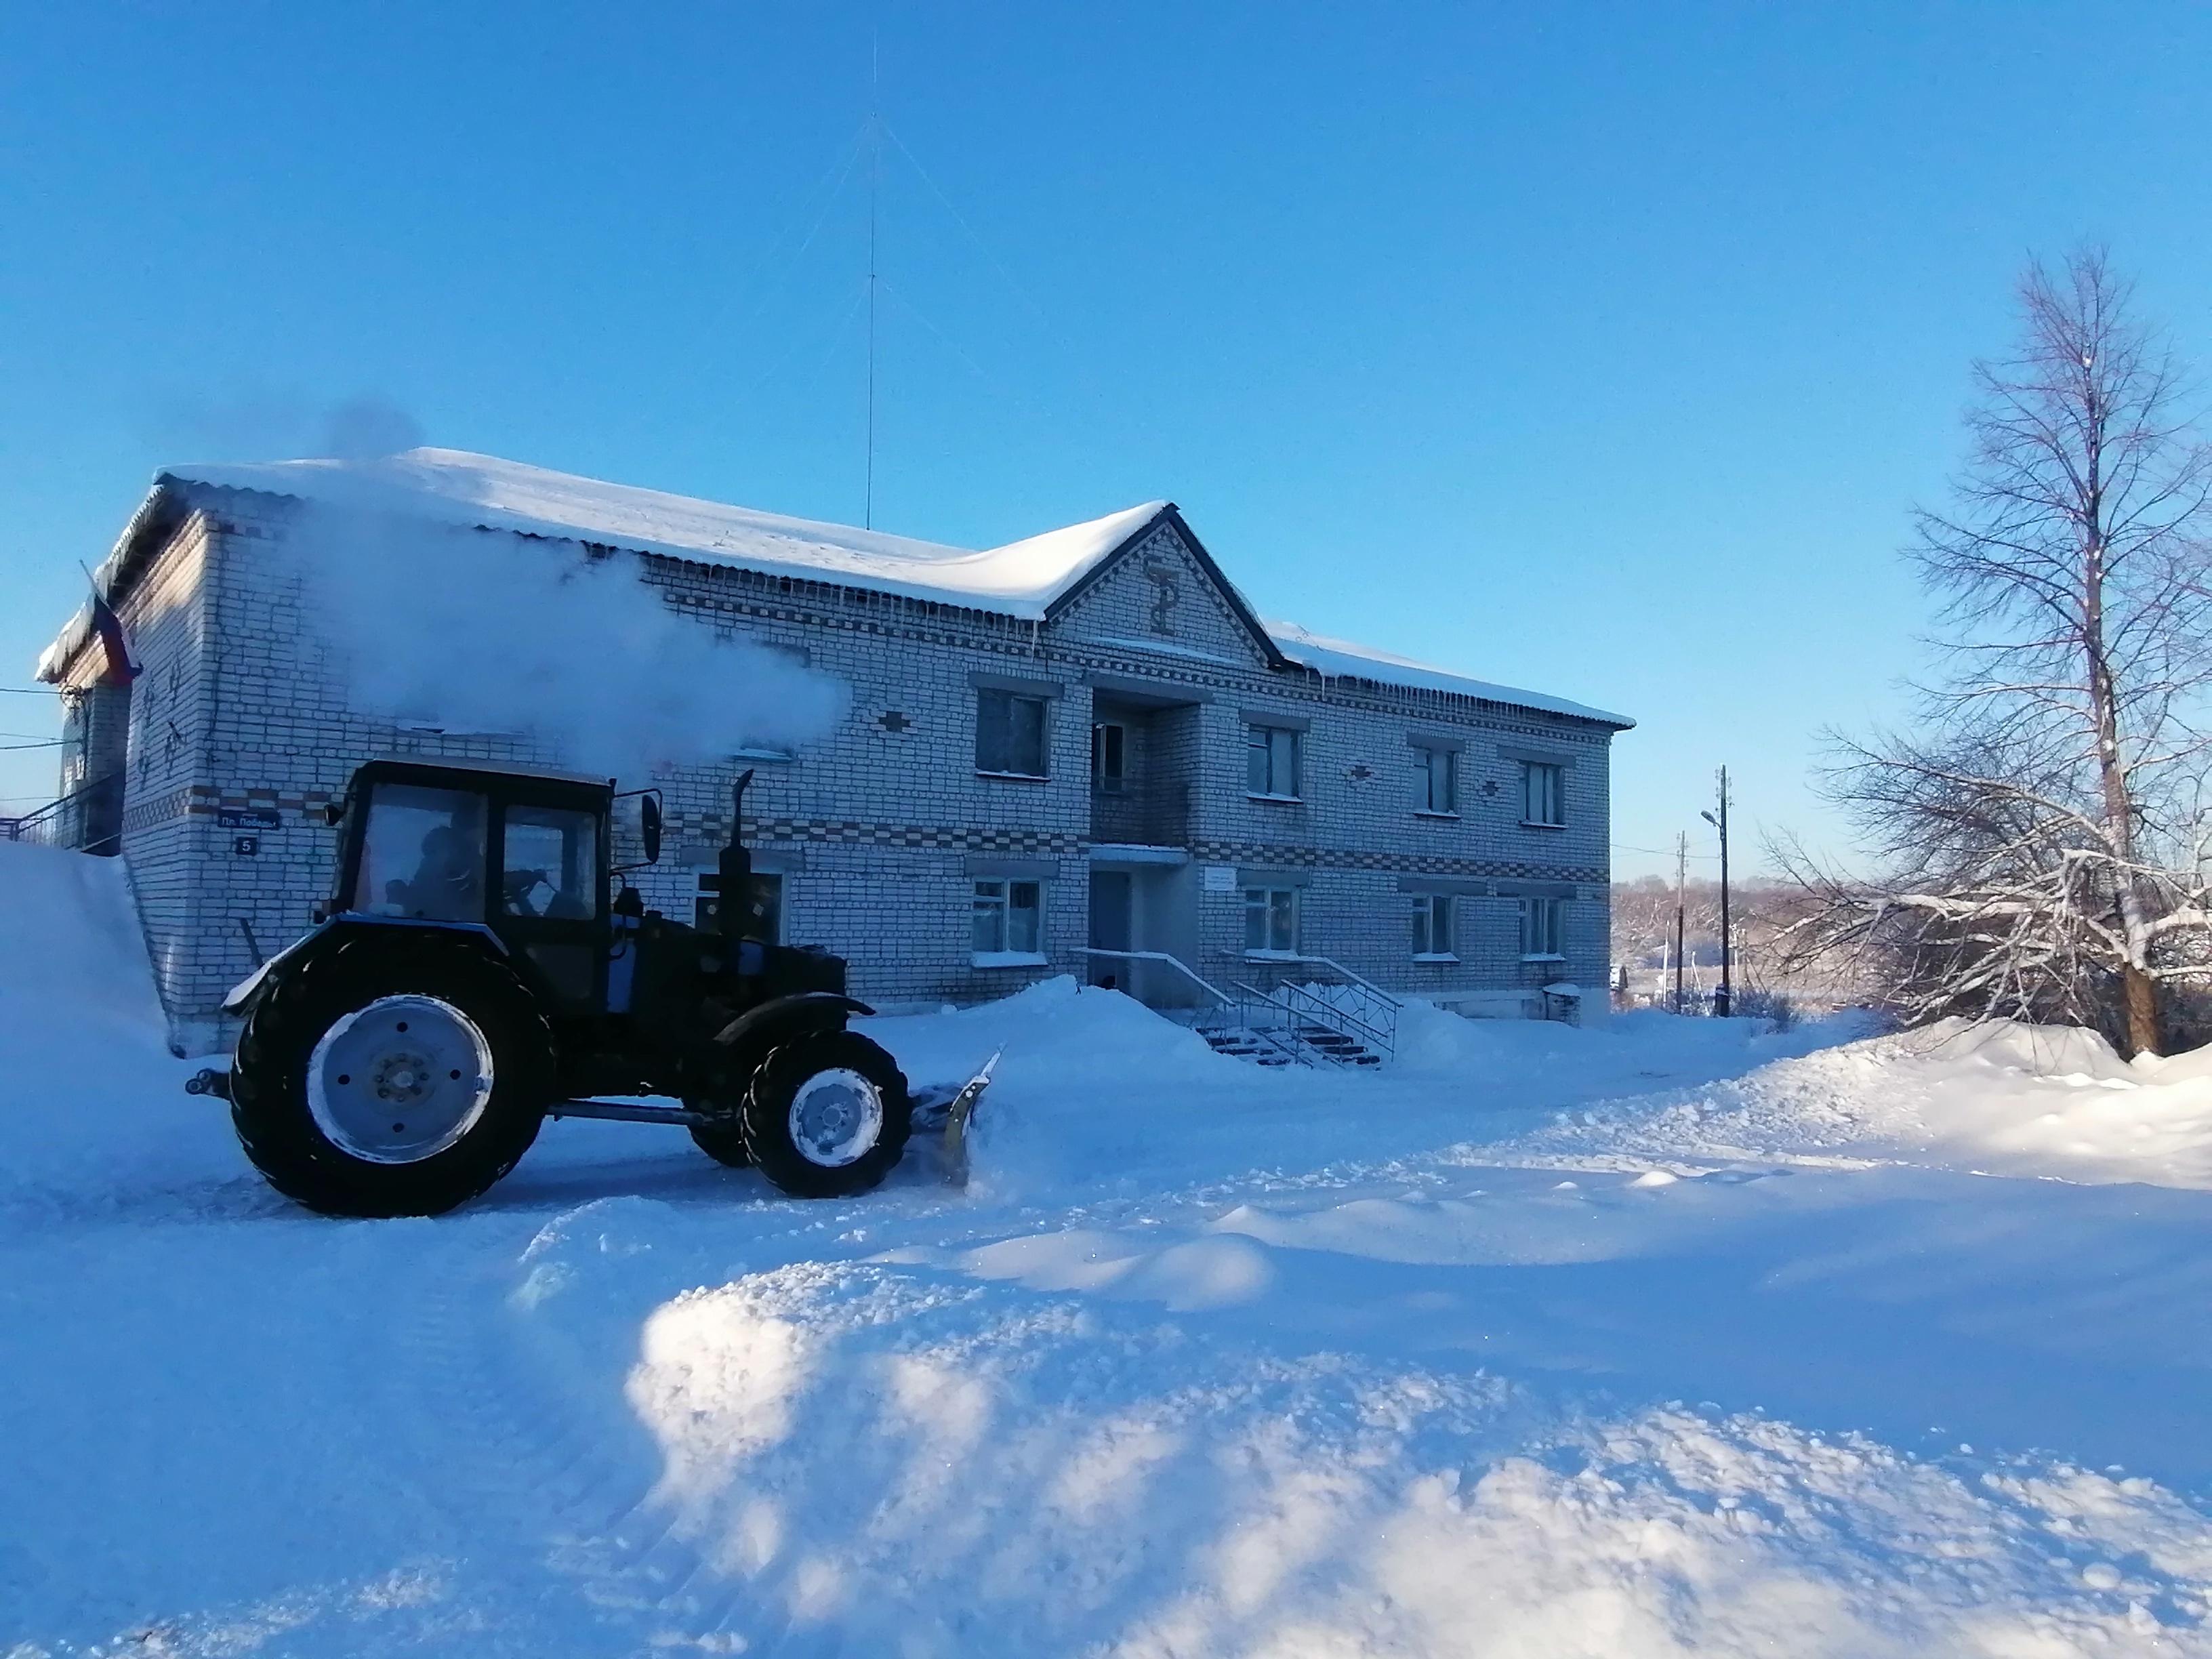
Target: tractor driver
(448,885)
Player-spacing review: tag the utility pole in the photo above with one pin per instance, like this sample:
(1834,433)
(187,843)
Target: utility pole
(1681,883)
(1721,998)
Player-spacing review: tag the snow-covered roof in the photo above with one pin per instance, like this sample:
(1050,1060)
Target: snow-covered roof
(1020,579)
(1338,660)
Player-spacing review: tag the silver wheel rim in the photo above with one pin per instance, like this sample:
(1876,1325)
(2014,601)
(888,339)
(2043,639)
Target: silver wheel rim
(836,1118)
(400,1080)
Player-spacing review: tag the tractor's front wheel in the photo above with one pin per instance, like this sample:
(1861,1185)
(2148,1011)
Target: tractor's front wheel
(723,1141)
(387,1079)
(827,1114)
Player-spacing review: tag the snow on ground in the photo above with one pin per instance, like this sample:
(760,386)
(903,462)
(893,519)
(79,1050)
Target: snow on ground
(1670,1338)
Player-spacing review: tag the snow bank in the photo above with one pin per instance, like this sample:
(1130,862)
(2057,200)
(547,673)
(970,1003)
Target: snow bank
(2005,1096)
(933,1456)
(97,1115)
(70,942)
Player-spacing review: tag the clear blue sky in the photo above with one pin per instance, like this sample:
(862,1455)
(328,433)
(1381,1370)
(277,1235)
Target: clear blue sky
(1597,349)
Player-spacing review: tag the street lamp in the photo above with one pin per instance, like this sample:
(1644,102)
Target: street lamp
(1721,998)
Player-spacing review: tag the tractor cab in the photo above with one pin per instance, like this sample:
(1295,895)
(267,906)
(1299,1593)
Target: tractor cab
(524,855)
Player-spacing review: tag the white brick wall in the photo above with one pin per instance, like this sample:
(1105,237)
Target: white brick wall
(238,711)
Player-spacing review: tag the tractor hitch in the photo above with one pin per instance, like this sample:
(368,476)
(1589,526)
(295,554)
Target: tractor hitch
(209,1081)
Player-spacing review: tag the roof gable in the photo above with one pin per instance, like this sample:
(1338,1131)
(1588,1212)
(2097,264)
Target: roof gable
(1161,591)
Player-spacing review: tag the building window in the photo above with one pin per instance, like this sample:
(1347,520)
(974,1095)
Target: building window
(1109,745)
(1540,929)
(1543,794)
(1271,921)
(763,918)
(1271,761)
(1009,734)
(1008,924)
(1439,781)
(1432,930)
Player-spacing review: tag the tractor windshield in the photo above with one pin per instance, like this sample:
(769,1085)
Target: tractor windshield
(423,855)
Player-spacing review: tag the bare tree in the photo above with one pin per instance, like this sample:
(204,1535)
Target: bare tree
(2042,833)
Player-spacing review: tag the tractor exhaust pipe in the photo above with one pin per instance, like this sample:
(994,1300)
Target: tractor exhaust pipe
(735,876)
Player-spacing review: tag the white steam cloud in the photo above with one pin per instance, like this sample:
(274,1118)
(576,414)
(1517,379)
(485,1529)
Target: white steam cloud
(490,632)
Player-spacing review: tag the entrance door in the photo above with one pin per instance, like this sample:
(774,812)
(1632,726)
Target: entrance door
(1112,907)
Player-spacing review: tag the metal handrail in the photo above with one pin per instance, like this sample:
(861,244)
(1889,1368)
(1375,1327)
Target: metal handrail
(1286,1037)
(1366,1010)
(1374,1033)
(31,823)
(1175,963)
(1368,984)
(1381,1041)
(1321,1015)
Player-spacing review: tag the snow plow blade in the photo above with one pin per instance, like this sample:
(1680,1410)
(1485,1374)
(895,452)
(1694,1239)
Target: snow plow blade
(951,1113)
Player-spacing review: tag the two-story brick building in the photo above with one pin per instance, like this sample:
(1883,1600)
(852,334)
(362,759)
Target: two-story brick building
(1078,754)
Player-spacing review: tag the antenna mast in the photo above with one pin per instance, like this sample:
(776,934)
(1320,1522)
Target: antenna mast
(875,175)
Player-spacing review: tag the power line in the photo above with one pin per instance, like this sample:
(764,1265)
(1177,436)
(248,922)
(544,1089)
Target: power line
(960,219)
(840,169)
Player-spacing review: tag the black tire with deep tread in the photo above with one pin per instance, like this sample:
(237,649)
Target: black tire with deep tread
(307,995)
(723,1141)
(766,1112)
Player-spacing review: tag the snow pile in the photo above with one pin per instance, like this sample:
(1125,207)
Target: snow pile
(2006,1096)
(97,1117)
(918,1457)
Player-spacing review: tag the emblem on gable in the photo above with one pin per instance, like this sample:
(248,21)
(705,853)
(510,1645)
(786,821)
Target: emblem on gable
(1167,592)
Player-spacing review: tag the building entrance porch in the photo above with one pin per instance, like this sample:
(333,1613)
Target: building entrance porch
(1139,909)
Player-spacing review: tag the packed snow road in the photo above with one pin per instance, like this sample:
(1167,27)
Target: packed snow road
(1667,1339)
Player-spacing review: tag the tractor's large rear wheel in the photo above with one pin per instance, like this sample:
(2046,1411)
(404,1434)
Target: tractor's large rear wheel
(385,1078)
(827,1114)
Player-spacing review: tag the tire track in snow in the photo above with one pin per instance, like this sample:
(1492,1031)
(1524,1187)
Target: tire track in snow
(561,1512)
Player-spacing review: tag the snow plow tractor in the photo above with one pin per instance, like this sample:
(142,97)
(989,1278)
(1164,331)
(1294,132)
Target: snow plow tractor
(483,965)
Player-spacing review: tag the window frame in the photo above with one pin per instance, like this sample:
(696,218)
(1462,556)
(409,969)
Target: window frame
(1431,758)
(1555,794)
(1260,743)
(1543,922)
(1011,698)
(1110,740)
(1433,921)
(1261,900)
(1000,904)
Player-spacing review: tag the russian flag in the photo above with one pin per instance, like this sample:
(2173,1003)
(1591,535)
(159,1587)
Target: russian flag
(121,671)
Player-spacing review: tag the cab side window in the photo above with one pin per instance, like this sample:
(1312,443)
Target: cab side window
(550,864)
